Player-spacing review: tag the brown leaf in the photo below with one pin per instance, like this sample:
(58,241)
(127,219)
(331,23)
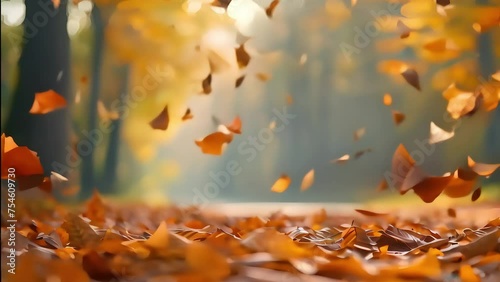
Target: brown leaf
(411,76)
(398,117)
(437,134)
(161,121)
(307,181)
(443,2)
(262,76)
(402,163)
(270,9)
(452,213)
(96,210)
(482,169)
(359,133)
(207,84)
(213,144)
(97,267)
(80,232)
(46,102)
(430,188)
(360,153)
(404,31)
(383,185)
(221,3)
(242,57)
(187,115)
(387,99)
(281,185)
(476,194)
(239,81)
(436,46)
(370,213)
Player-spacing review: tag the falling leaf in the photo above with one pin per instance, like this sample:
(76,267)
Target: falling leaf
(207,84)
(270,9)
(104,114)
(370,213)
(239,81)
(341,160)
(387,99)
(262,76)
(213,144)
(289,99)
(303,59)
(383,185)
(56,3)
(452,213)
(398,117)
(436,46)
(360,153)
(161,121)
(242,57)
(411,76)
(359,133)
(461,183)
(404,31)
(482,169)
(431,187)
(402,163)
(437,134)
(281,184)
(476,194)
(46,102)
(187,115)
(394,67)
(235,126)
(307,181)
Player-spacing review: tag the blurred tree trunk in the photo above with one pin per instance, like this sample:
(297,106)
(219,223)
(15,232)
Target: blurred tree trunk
(44,64)
(88,180)
(112,153)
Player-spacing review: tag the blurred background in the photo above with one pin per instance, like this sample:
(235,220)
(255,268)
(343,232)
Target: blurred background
(316,60)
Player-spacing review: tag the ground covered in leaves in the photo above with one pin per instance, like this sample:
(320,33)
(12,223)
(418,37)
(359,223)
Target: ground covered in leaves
(107,242)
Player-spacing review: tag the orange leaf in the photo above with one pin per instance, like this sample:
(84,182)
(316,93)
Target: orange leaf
(452,212)
(482,169)
(402,163)
(307,181)
(289,99)
(262,76)
(387,99)
(203,259)
(161,121)
(46,102)
(461,184)
(160,238)
(383,185)
(242,57)
(213,144)
(235,126)
(104,114)
(404,31)
(467,274)
(270,9)
(398,117)
(281,184)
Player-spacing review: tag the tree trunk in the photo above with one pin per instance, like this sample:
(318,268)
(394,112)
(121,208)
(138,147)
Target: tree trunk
(44,64)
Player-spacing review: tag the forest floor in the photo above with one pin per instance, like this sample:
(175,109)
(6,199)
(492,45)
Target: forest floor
(104,240)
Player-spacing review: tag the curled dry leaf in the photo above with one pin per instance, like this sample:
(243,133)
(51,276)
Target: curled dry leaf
(242,57)
(270,9)
(281,185)
(104,113)
(205,260)
(482,169)
(387,99)
(235,126)
(398,117)
(359,133)
(461,183)
(161,121)
(213,144)
(437,134)
(206,84)
(187,115)
(476,194)
(46,102)
(307,181)
(160,238)
(239,81)
(341,160)
(411,76)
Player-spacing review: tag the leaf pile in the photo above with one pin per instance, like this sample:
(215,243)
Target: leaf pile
(123,243)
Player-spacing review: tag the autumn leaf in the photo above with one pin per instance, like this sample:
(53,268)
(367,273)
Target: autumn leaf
(482,169)
(160,238)
(104,114)
(411,76)
(207,84)
(476,194)
(235,126)
(307,181)
(262,76)
(437,134)
(387,99)
(214,143)
(239,81)
(369,213)
(80,233)
(242,57)
(207,261)
(161,121)
(452,212)
(270,9)
(398,117)
(187,115)
(281,185)
(46,102)
(404,31)
(289,100)
(359,133)
(341,160)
